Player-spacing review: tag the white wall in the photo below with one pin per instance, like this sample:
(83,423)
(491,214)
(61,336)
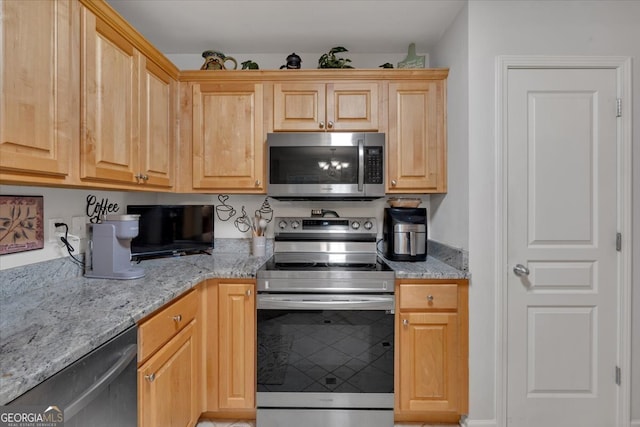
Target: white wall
(64,204)
(450,212)
(67,203)
(610,28)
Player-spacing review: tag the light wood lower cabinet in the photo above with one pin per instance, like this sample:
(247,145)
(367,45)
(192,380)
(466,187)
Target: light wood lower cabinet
(230,351)
(170,351)
(432,335)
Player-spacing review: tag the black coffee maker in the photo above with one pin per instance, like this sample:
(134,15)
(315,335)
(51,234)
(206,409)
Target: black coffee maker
(405,234)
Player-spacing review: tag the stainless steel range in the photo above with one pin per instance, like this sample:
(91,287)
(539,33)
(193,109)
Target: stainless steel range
(325,326)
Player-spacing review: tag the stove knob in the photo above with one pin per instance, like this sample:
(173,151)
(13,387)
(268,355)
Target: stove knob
(368,225)
(355,225)
(295,224)
(282,224)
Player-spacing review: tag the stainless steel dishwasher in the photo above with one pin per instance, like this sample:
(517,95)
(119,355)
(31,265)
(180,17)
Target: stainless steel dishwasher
(98,390)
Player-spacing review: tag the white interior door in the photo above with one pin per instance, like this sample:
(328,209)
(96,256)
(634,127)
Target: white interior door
(561,240)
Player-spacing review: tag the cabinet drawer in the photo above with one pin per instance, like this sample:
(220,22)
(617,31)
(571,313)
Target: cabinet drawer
(160,328)
(428,297)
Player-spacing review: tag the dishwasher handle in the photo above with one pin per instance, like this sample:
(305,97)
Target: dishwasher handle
(101,383)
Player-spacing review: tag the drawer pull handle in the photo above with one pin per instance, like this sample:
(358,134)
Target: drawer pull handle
(177,318)
(405,322)
(150,378)
(430,298)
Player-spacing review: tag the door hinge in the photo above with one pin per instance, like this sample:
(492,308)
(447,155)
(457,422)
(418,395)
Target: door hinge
(618,375)
(619,107)
(618,242)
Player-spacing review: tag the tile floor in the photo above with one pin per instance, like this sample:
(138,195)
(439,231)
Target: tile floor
(222,423)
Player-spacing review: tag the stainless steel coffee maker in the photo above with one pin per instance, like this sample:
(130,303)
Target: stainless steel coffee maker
(109,251)
(405,234)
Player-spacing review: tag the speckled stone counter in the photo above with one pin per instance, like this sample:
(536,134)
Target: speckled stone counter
(50,315)
(48,325)
(430,269)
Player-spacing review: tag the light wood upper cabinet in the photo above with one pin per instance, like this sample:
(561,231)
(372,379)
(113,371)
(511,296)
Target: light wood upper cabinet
(227,138)
(128,111)
(158,126)
(110,103)
(39,90)
(416,140)
(432,380)
(320,106)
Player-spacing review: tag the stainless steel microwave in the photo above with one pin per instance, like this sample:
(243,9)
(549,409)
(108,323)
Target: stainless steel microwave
(325,165)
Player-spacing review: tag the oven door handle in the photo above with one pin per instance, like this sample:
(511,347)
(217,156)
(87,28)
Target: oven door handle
(315,302)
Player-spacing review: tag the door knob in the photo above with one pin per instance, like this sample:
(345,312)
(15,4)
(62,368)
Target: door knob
(520,270)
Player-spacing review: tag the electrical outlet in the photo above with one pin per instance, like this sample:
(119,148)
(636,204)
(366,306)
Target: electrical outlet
(79,226)
(52,228)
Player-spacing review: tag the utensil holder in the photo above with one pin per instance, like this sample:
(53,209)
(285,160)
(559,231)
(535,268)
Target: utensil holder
(258,245)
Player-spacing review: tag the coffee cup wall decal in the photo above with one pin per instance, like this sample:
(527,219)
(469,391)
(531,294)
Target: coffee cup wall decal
(224,211)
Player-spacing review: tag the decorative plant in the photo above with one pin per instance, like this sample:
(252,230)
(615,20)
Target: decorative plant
(250,65)
(330,60)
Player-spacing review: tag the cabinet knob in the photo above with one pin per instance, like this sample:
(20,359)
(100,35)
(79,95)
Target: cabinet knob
(177,318)
(394,182)
(330,124)
(258,182)
(321,125)
(248,292)
(430,298)
(150,378)
(405,322)
(145,177)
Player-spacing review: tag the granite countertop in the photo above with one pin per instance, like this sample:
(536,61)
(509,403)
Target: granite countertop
(58,318)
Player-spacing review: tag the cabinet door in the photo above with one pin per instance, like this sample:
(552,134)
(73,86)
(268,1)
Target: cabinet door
(110,104)
(429,362)
(167,385)
(299,106)
(237,346)
(38,87)
(157,126)
(416,138)
(352,106)
(228,137)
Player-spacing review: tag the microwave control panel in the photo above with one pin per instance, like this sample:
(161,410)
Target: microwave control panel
(373,165)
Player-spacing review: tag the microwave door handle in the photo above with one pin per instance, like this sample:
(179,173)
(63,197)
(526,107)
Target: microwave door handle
(360,165)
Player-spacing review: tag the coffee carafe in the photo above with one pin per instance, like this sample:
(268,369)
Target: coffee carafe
(109,251)
(405,234)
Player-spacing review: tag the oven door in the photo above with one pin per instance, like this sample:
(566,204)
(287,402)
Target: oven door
(325,351)
(325,165)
